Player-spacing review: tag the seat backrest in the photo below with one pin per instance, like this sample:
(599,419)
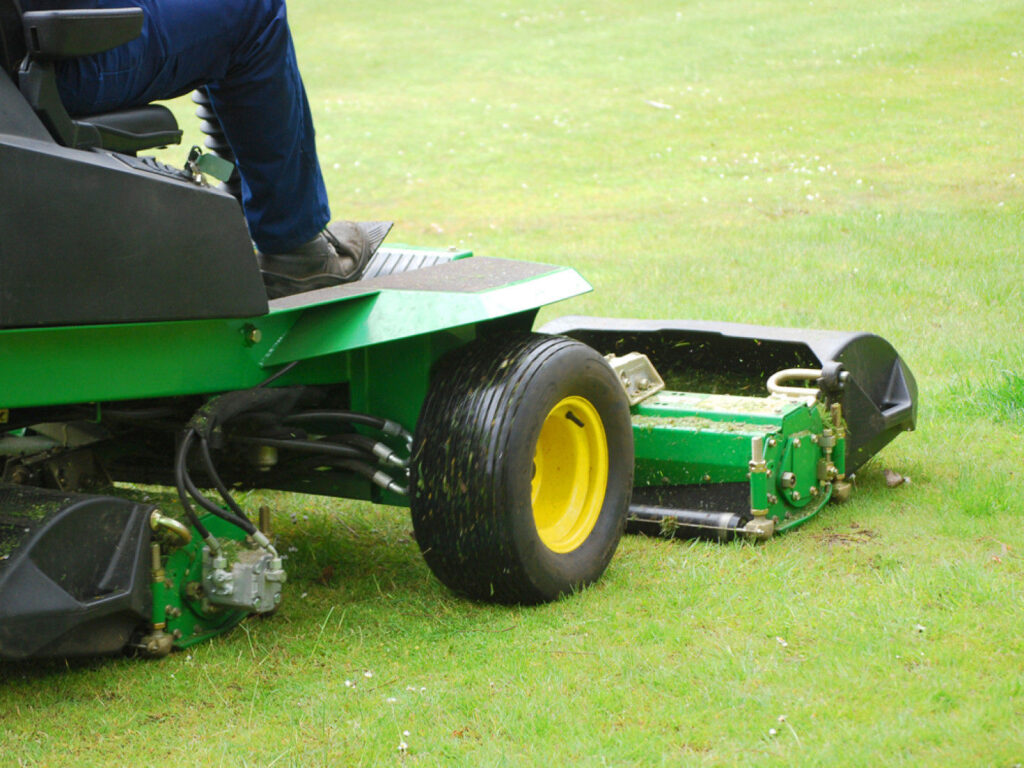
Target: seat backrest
(12,38)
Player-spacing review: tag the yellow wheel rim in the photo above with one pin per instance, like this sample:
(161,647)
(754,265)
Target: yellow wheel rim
(570,474)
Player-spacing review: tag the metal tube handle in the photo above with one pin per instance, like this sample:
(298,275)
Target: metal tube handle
(776,387)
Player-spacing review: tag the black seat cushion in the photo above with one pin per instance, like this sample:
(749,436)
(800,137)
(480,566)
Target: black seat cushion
(134,129)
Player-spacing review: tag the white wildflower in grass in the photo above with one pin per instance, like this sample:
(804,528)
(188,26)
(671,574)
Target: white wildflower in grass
(391,700)
(367,673)
(403,747)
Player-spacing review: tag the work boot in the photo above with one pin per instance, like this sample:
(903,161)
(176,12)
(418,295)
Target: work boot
(337,255)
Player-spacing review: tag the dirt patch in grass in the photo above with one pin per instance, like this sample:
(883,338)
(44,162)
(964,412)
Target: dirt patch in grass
(852,536)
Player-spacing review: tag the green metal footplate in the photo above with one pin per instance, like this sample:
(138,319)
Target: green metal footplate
(753,464)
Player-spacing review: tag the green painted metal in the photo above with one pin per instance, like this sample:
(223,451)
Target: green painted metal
(159,593)
(189,618)
(691,449)
(385,316)
(758,487)
(390,380)
(52,366)
(684,438)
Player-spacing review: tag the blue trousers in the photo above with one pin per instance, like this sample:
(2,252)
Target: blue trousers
(242,52)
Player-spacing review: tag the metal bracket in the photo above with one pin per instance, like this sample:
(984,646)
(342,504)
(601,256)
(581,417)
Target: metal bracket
(637,374)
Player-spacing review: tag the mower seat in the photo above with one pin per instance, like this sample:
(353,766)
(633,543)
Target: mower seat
(52,36)
(89,234)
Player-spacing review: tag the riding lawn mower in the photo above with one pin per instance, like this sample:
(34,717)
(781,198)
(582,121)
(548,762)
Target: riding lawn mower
(138,346)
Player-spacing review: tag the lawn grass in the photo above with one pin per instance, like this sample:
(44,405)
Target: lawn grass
(813,164)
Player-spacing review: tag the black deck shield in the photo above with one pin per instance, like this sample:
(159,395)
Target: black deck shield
(879,397)
(74,572)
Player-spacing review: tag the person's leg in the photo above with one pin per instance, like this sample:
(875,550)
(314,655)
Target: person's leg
(262,106)
(242,51)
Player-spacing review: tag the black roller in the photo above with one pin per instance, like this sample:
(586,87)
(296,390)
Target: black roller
(682,523)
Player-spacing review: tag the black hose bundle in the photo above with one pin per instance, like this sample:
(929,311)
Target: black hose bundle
(276,408)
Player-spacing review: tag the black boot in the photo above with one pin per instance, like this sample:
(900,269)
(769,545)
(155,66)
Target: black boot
(337,255)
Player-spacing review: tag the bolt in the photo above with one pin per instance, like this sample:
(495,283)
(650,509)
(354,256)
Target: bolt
(796,495)
(814,439)
(252,334)
(772,442)
(796,442)
(813,491)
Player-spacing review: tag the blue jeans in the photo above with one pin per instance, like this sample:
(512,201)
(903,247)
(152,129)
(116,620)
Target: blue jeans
(242,52)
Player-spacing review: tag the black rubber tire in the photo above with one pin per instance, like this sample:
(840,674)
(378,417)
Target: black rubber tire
(472,467)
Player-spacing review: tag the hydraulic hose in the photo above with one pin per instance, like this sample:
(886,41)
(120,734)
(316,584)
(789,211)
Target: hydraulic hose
(186,488)
(382,451)
(277,375)
(387,426)
(306,446)
(222,489)
(374,475)
(180,481)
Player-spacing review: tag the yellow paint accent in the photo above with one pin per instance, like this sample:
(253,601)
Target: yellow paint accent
(5,415)
(570,474)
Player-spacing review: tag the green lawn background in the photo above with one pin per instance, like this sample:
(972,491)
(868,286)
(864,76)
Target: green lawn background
(814,164)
